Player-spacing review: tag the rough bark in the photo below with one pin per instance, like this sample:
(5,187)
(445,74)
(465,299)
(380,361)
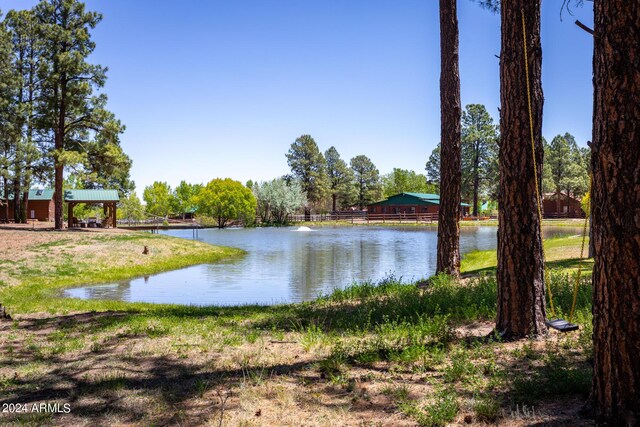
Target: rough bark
(448,258)
(616,212)
(58,196)
(520,272)
(476,180)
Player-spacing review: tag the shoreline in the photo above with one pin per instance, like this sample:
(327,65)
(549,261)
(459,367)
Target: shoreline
(38,263)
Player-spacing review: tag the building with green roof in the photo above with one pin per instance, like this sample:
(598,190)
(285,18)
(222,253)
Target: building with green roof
(108,198)
(39,206)
(411,203)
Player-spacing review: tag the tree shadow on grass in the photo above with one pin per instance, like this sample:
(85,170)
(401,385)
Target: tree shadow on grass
(111,386)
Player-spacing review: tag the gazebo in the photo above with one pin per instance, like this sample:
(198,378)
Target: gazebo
(108,198)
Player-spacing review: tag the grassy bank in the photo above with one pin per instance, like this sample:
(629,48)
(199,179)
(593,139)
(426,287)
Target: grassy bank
(489,223)
(41,262)
(386,353)
(561,253)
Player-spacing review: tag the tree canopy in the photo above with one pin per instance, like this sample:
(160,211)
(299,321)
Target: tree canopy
(366,181)
(340,180)
(53,117)
(308,165)
(404,180)
(226,200)
(277,200)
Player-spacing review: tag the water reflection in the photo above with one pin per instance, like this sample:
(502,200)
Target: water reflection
(283,265)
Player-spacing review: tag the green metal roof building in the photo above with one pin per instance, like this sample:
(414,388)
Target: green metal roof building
(410,203)
(108,198)
(91,196)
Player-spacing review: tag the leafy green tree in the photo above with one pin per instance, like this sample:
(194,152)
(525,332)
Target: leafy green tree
(277,200)
(130,208)
(73,113)
(479,155)
(309,166)
(367,181)
(185,197)
(340,180)
(227,200)
(158,199)
(404,180)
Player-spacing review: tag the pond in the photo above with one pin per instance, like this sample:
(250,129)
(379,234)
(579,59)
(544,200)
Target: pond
(287,265)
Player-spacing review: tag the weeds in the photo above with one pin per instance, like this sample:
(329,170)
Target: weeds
(441,411)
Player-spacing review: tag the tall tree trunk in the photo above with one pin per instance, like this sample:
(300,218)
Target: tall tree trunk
(58,196)
(17,205)
(616,212)
(558,193)
(6,197)
(476,180)
(25,204)
(334,198)
(520,273)
(448,257)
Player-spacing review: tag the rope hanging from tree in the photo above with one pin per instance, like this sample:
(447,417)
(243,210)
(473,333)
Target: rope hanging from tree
(559,324)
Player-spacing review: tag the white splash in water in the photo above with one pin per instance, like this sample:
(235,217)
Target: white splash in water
(303,228)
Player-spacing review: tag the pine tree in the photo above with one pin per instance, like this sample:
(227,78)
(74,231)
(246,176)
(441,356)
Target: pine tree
(615,199)
(448,257)
(521,298)
(308,165)
(340,179)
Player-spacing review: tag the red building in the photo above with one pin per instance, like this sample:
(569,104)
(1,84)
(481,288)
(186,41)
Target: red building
(411,203)
(561,206)
(40,207)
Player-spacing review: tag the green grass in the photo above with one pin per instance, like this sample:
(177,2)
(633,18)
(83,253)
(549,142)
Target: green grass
(562,252)
(390,333)
(39,282)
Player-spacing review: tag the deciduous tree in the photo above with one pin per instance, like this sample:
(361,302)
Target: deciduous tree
(277,200)
(404,180)
(227,200)
(185,198)
(158,199)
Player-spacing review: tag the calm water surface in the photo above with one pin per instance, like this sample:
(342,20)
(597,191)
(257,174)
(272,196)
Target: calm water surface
(286,265)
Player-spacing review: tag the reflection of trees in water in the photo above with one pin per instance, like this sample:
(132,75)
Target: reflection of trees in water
(120,291)
(314,267)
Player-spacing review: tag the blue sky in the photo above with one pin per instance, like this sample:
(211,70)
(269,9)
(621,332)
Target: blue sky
(222,88)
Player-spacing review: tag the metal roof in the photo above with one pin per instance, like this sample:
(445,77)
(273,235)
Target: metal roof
(91,196)
(426,196)
(39,194)
(410,199)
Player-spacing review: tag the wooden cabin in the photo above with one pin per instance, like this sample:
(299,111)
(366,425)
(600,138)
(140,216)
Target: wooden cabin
(40,206)
(411,203)
(561,206)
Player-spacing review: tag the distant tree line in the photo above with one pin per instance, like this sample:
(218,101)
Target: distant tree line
(53,120)
(330,184)
(565,172)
